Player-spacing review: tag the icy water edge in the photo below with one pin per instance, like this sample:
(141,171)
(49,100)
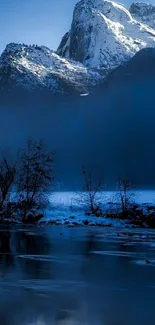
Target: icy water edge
(59,275)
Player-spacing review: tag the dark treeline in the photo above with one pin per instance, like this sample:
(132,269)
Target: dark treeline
(24,184)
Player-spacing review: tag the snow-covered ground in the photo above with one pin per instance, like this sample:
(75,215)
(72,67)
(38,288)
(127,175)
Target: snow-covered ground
(66,208)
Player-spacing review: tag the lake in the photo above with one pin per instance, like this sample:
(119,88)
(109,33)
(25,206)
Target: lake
(59,275)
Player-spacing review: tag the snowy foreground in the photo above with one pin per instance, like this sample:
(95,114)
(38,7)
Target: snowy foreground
(66,209)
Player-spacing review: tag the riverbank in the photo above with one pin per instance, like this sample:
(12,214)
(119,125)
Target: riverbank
(67,209)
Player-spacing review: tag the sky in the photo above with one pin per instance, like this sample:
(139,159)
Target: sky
(41,22)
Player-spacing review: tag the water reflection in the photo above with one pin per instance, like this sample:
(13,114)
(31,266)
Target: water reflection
(30,250)
(6,256)
(75,276)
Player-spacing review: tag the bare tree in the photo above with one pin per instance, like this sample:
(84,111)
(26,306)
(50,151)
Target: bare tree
(7,178)
(35,176)
(91,197)
(125,195)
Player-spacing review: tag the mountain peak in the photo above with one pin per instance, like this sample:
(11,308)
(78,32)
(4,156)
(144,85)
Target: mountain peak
(142,8)
(104,33)
(144,12)
(108,8)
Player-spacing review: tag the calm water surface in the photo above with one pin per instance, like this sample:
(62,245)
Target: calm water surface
(56,275)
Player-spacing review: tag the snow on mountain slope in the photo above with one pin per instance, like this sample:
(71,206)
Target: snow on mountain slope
(103,33)
(35,67)
(103,36)
(143,12)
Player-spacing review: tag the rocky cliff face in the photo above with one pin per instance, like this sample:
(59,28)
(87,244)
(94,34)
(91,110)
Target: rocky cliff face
(104,33)
(144,13)
(114,126)
(37,67)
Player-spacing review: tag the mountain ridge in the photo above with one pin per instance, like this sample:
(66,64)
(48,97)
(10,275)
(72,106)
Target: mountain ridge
(104,33)
(39,67)
(103,36)
(144,13)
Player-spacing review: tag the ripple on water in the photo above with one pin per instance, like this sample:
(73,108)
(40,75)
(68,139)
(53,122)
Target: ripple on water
(150,262)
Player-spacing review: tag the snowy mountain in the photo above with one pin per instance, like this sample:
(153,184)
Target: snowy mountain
(103,36)
(104,33)
(143,12)
(34,67)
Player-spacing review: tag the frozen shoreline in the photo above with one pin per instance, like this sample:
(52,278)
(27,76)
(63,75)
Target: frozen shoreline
(66,210)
